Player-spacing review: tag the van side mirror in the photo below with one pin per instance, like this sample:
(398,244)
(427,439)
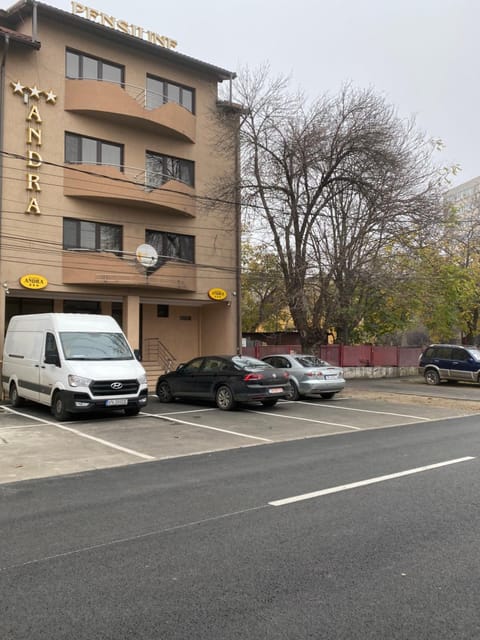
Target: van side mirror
(52,358)
(137,354)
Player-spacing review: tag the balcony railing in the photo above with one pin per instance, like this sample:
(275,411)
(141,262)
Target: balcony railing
(127,185)
(106,98)
(107,268)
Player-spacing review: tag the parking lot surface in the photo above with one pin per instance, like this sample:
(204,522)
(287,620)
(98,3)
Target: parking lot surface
(34,445)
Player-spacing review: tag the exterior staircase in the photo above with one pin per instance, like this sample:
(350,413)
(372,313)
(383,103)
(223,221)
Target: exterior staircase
(156,360)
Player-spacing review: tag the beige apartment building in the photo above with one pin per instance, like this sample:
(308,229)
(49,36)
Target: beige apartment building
(114,150)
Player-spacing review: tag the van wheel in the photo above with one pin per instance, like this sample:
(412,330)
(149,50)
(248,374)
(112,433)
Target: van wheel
(58,408)
(15,399)
(431,376)
(132,411)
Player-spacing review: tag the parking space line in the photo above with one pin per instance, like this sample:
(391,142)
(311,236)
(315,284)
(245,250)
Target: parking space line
(331,424)
(76,432)
(383,413)
(204,426)
(174,413)
(363,483)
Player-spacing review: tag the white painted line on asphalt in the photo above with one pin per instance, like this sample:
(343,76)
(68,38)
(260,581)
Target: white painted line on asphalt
(331,424)
(382,413)
(129,539)
(112,445)
(204,426)
(174,413)
(363,483)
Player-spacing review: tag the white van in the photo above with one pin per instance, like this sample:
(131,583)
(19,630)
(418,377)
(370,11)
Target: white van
(73,363)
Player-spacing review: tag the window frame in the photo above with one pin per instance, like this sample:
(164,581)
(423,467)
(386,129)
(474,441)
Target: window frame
(98,239)
(165,159)
(188,256)
(101,62)
(164,94)
(99,142)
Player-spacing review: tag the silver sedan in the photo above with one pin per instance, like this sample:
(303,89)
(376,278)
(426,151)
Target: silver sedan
(309,375)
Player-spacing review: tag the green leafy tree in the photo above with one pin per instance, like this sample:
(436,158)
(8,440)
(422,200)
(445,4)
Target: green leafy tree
(264,307)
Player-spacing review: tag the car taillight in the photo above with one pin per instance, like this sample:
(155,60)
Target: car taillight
(252,376)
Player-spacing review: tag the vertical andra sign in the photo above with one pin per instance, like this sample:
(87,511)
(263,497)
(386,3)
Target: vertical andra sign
(31,97)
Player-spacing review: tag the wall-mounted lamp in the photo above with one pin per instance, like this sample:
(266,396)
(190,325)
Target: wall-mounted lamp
(5,288)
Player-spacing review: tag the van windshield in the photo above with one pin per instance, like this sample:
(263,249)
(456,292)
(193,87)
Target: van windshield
(85,345)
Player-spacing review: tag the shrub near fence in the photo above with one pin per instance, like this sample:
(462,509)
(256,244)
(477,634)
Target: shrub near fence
(347,355)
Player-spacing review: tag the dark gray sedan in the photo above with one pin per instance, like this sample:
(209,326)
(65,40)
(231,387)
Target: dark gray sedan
(227,380)
(309,375)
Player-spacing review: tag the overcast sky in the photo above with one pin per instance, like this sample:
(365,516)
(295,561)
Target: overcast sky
(420,54)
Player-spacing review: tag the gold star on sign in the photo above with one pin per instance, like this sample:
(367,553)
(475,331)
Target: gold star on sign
(17,87)
(50,96)
(35,92)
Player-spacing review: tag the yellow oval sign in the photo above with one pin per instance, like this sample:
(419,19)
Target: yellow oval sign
(33,281)
(217,294)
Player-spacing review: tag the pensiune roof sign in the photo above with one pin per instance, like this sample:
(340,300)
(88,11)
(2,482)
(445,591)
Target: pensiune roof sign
(122,25)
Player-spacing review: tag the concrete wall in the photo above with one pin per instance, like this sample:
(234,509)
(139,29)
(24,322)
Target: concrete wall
(379,372)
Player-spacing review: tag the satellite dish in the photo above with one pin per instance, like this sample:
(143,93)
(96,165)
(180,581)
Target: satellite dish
(146,255)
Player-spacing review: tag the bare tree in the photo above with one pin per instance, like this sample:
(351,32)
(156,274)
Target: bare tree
(333,184)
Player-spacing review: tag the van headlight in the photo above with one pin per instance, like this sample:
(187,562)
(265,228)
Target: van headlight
(142,379)
(78,381)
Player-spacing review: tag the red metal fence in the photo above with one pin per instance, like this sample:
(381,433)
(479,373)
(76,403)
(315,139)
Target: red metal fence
(348,356)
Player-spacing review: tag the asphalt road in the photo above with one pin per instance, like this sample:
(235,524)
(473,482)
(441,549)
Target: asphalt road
(34,445)
(199,547)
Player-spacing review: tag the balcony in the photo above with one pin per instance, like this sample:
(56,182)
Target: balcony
(127,104)
(129,187)
(105,268)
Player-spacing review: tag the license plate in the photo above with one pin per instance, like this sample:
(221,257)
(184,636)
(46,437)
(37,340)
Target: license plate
(116,402)
(275,390)
(334,375)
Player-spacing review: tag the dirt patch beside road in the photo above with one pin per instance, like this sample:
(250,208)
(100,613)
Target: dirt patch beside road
(459,404)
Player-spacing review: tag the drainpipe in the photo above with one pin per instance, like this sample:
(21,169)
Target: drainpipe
(2,119)
(238,232)
(34,21)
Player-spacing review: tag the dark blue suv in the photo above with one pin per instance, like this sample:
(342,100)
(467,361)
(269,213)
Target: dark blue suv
(450,362)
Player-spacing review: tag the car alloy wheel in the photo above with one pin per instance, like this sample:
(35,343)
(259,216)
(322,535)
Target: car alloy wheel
(164,392)
(432,377)
(224,398)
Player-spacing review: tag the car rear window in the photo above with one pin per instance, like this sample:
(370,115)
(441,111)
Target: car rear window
(310,361)
(244,362)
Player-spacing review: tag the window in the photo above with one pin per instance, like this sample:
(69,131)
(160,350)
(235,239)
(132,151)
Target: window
(171,246)
(80,149)
(51,351)
(161,168)
(162,310)
(84,67)
(96,236)
(193,366)
(161,91)
(460,354)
